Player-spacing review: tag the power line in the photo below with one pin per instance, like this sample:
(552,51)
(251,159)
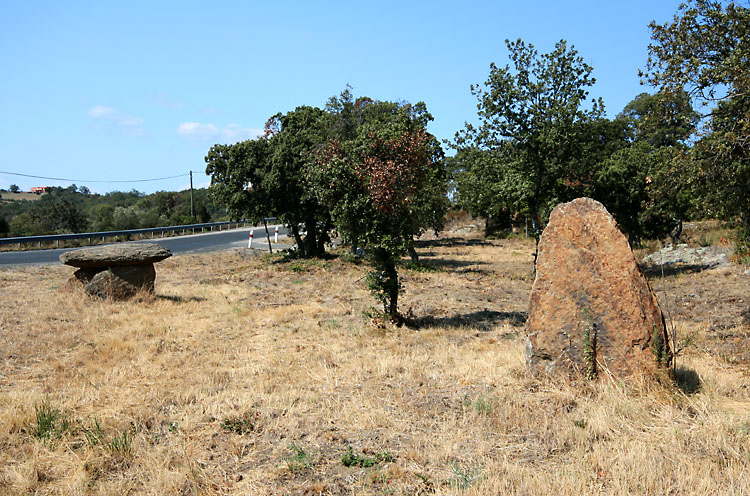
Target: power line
(93,180)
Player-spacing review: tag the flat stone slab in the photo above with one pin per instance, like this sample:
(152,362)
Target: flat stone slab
(709,257)
(115,255)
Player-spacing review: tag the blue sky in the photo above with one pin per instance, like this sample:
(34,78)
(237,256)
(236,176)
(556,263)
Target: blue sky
(135,90)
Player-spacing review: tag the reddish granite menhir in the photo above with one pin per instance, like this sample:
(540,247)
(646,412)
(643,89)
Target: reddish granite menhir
(591,309)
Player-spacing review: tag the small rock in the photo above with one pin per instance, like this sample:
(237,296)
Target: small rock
(122,282)
(709,257)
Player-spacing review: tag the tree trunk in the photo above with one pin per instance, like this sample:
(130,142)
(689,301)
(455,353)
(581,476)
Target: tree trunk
(298,238)
(677,232)
(413,254)
(387,287)
(323,238)
(392,275)
(634,240)
(310,244)
(536,228)
(488,227)
(497,223)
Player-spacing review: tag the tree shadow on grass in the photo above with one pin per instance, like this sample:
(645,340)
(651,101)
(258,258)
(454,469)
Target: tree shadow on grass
(179,299)
(484,320)
(444,263)
(688,380)
(652,271)
(453,241)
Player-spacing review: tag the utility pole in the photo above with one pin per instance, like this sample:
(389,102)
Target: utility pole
(192,215)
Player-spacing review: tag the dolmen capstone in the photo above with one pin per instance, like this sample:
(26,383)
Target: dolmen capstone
(116,271)
(591,309)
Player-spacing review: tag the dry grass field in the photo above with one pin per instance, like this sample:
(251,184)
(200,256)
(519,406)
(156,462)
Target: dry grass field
(7,196)
(246,375)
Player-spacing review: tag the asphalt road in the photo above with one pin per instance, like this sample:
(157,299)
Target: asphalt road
(192,243)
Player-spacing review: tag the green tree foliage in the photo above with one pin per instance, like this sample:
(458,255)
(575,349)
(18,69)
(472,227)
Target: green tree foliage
(705,51)
(53,213)
(530,123)
(384,180)
(4,226)
(266,177)
(367,168)
(25,225)
(14,188)
(480,182)
(103,217)
(662,119)
(640,178)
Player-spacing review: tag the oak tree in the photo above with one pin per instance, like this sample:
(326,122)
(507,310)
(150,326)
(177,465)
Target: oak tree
(705,51)
(267,176)
(384,180)
(530,111)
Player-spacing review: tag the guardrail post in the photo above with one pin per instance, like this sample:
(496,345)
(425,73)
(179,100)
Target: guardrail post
(57,243)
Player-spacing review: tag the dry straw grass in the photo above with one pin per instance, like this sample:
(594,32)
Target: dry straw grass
(246,376)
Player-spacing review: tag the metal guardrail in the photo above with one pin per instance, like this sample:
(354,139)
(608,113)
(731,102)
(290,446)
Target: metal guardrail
(113,234)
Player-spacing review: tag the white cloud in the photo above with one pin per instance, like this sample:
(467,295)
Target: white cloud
(131,121)
(102,112)
(162,100)
(231,133)
(196,185)
(129,124)
(197,130)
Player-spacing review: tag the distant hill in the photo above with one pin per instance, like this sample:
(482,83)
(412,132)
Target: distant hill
(64,210)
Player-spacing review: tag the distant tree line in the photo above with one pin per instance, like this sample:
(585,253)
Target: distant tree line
(76,209)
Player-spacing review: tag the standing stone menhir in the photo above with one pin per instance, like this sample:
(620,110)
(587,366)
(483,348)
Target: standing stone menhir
(591,308)
(116,271)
